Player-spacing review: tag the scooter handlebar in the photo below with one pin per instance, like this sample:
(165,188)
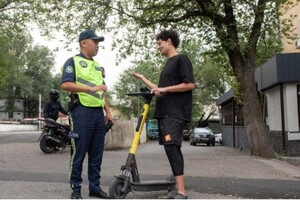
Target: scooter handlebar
(140,94)
(144,91)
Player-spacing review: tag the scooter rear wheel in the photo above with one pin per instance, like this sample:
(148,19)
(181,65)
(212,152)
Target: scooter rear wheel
(45,146)
(115,189)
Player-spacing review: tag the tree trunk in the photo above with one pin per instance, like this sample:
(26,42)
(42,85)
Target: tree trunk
(255,125)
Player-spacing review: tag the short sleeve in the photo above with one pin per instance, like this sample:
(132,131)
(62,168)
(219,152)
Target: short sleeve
(186,70)
(68,71)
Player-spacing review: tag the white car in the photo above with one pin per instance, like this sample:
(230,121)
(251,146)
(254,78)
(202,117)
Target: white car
(218,138)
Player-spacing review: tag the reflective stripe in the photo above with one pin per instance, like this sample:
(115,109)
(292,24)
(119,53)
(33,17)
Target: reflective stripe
(94,94)
(73,149)
(85,82)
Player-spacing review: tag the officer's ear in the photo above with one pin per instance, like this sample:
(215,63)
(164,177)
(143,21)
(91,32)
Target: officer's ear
(81,44)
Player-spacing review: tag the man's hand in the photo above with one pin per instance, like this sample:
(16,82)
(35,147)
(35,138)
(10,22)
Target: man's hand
(158,91)
(137,75)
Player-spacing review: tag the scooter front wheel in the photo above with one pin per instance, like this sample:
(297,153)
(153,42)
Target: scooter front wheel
(115,189)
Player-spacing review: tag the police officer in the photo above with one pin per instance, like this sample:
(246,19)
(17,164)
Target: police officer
(53,107)
(83,78)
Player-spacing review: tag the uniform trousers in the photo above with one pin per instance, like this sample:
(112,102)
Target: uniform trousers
(89,124)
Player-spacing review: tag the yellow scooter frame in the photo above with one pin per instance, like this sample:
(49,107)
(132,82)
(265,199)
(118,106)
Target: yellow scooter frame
(128,179)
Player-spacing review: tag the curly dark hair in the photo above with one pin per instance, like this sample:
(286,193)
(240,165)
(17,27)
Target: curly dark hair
(172,34)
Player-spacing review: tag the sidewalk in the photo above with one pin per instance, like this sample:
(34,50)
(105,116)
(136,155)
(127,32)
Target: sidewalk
(294,160)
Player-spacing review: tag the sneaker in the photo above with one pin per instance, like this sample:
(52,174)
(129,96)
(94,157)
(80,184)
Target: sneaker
(179,196)
(76,195)
(169,195)
(101,194)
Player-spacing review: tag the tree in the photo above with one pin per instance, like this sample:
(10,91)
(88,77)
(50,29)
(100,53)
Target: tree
(27,72)
(12,57)
(25,69)
(236,26)
(212,72)
(131,106)
(37,69)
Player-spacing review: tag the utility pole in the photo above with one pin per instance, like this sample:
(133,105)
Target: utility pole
(40,110)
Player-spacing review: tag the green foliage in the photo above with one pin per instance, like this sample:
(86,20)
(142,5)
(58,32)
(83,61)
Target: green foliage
(25,71)
(5,68)
(128,105)
(212,72)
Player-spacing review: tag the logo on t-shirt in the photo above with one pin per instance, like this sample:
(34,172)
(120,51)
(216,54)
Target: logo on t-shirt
(168,137)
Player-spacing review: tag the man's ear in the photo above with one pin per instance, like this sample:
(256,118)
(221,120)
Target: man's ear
(169,41)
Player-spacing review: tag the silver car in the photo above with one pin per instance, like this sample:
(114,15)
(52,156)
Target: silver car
(202,135)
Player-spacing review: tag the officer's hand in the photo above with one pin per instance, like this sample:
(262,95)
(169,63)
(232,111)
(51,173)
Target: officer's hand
(108,117)
(99,88)
(103,88)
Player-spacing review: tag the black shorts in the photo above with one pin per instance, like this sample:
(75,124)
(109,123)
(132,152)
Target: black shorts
(170,131)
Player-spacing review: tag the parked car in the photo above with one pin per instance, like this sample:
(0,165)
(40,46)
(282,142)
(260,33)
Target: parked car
(186,135)
(152,133)
(218,138)
(202,135)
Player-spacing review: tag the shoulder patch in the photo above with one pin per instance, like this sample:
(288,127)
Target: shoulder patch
(69,69)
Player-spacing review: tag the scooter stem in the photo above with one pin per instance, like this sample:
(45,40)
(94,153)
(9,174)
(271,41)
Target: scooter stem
(138,129)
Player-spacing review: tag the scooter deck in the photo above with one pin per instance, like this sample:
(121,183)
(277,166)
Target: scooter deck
(153,185)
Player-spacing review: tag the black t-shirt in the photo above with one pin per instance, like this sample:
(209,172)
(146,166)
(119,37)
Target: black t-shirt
(177,70)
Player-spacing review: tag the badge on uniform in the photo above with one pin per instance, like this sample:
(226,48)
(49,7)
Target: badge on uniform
(69,69)
(83,64)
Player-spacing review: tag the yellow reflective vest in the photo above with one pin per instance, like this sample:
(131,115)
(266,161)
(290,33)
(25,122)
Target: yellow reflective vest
(89,73)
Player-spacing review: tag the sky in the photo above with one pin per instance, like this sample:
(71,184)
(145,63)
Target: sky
(105,57)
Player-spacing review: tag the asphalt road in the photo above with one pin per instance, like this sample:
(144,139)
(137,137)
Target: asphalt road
(211,172)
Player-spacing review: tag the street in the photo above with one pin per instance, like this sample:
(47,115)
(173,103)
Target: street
(211,172)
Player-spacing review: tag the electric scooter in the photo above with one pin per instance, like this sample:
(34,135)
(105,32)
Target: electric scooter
(129,180)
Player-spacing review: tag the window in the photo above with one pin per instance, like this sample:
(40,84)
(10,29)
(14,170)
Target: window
(227,115)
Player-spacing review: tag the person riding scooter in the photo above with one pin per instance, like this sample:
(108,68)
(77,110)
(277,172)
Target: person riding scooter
(53,107)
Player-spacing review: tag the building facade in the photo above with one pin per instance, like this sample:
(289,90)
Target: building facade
(16,115)
(278,82)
